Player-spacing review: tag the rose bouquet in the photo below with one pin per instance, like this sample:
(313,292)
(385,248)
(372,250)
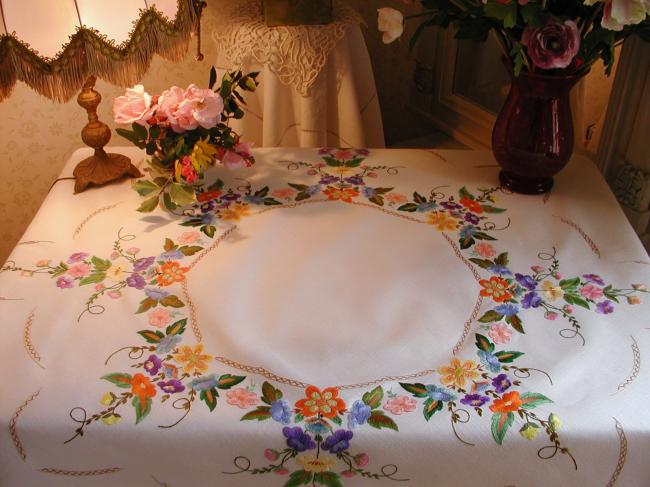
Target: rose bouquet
(185,131)
(545,36)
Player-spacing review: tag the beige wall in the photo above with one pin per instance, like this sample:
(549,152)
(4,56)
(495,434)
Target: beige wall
(37,135)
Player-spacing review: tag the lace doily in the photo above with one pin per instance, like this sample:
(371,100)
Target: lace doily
(295,54)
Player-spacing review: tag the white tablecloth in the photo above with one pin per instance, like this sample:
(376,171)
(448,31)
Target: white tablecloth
(332,318)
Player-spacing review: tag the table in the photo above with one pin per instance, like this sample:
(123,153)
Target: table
(329,317)
(317,86)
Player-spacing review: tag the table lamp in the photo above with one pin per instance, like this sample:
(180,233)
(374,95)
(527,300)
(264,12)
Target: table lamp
(58,47)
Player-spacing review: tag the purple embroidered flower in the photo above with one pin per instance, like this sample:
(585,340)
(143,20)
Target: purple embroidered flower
(171,386)
(143,264)
(207,219)
(208,206)
(501,383)
(255,200)
(450,205)
(439,394)
(324,151)
(312,190)
(298,439)
(474,400)
(230,196)
(526,281)
(468,231)
(77,257)
(64,282)
(339,441)
(172,255)
(281,411)
(359,414)
(204,383)
(605,307)
(136,281)
(471,218)
(369,192)
(422,207)
(594,278)
(167,344)
(156,294)
(500,270)
(356,180)
(490,361)
(328,179)
(507,309)
(152,365)
(531,300)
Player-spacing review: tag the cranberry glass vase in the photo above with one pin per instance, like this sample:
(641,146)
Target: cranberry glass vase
(532,138)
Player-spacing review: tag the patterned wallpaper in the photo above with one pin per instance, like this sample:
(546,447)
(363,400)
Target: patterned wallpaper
(38,135)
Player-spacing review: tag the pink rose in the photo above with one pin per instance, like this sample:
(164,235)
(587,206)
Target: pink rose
(206,105)
(168,103)
(232,160)
(134,107)
(244,149)
(590,291)
(78,270)
(554,45)
(485,250)
(188,237)
(159,317)
(500,333)
(400,405)
(241,398)
(187,170)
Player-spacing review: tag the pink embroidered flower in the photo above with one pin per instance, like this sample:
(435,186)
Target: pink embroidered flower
(271,455)
(396,198)
(188,237)
(592,292)
(400,405)
(372,175)
(64,282)
(99,287)
(79,270)
(77,257)
(500,333)
(159,317)
(283,193)
(485,250)
(114,294)
(567,308)
(550,315)
(537,269)
(344,155)
(136,106)
(361,459)
(241,398)
(132,250)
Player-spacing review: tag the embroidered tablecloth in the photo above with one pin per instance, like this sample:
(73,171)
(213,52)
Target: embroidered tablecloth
(329,317)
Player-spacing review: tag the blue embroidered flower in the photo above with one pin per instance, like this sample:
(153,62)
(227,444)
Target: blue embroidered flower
(427,206)
(450,205)
(136,281)
(298,439)
(312,190)
(439,393)
(208,206)
(172,255)
(359,414)
(167,344)
(531,300)
(281,411)
(468,231)
(156,294)
(204,383)
(490,361)
(526,281)
(207,219)
(143,264)
(471,218)
(356,180)
(338,442)
(369,192)
(507,309)
(255,200)
(500,270)
(318,426)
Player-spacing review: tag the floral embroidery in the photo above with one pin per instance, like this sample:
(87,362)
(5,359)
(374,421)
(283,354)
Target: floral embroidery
(325,403)
(192,359)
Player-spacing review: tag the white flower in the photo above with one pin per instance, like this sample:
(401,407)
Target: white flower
(391,23)
(619,13)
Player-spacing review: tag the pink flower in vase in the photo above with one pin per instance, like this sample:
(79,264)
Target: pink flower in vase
(200,106)
(554,45)
(168,103)
(187,170)
(232,160)
(136,106)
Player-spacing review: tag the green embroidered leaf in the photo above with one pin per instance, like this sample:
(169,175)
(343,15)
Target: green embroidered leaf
(303,195)
(172,301)
(379,420)
(332,162)
(482,263)
(570,284)
(299,187)
(418,198)
(378,200)
(328,479)
(100,264)
(408,207)
(337,419)
(259,414)
(516,323)
(148,205)
(464,194)
(151,336)
(209,397)
(142,407)
(192,222)
(354,162)
(500,424)
(417,389)
(466,242)
(299,477)
(374,397)
(177,328)
(119,379)
(492,209)
(209,230)
(383,190)
(269,393)
(146,304)
(490,317)
(93,278)
(182,194)
(271,201)
(144,186)
(502,259)
(483,343)
(216,186)
(506,357)
(431,406)
(531,400)
(483,236)
(190,249)
(169,245)
(298,418)
(262,192)
(226,381)
(575,299)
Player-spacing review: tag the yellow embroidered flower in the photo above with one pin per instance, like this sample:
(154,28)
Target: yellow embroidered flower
(107,399)
(192,360)
(311,463)
(551,291)
(42,263)
(111,419)
(633,300)
(554,422)
(341,170)
(116,272)
(235,212)
(457,373)
(529,431)
(442,221)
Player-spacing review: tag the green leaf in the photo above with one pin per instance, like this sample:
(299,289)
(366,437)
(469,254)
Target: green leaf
(328,479)
(271,202)
(269,393)
(177,328)
(213,77)
(148,205)
(575,299)
(119,379)
(261,413)
(172,301)
(533,15)
(531,400)
(408,207)
(418,198)
(431,406)
(226,381)
(464,194)
(483,236)
(516,323)
(337,419)
(483,343)
(144,187)
(299,187)
(506,13)
(209,230)
(299,477)
(151,336)
(417,389)
(142,407)
(502,259)
(190,249)
(169,245)
(303,195)
(500,424)
(140,131)
(379,420)
(482,263)
(568,284)
(492,209)
(101,264)
(374,397)
(298,418)
(182,194)
(167,202)
(506,357)
(146,304)
(209,397)
(93,278)
(127,134)
(491,317)
(466,242)
(378,200)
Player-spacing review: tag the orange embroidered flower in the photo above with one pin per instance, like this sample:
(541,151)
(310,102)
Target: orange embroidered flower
(325,402)
(171,272)
(345,194)
(142,387)
(442,221)
(471,205)
(457,373)
(192,360)
(235,212)
(508,403)
(208,195)
(497,288)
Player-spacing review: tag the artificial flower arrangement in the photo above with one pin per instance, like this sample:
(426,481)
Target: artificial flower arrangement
(185,132)
(547,36)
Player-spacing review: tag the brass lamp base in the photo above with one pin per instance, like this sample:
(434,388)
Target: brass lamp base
(100,168)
